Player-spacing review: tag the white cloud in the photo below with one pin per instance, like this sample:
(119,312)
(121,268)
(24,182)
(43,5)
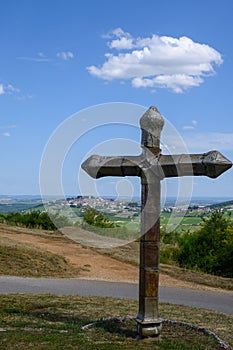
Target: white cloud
(41,54)
(194,122)
(41,57)
(190,127)
(199,143)
(7,133)
(209,141)
(24,97)
(2,89)
(65,55)
(157,62)
(38,58)
(8,89)
(124,40)
(7,126)
(11,89)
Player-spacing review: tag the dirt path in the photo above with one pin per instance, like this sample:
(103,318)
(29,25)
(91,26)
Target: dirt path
(91,264)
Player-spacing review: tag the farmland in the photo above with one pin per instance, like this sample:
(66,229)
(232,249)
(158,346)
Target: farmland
(123,213)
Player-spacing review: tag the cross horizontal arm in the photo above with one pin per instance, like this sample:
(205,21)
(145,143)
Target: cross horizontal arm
(211,164)
(101,166)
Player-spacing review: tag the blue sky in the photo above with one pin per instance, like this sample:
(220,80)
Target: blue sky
(60,57)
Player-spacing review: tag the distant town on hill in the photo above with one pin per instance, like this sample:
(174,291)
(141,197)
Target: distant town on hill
(123,212)
(13,203)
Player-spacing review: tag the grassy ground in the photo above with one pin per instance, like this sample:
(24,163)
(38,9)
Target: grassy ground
(26,260)
(197,277)
(52,322)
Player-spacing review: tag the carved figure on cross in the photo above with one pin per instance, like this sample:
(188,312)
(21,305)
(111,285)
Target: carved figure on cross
(151,166)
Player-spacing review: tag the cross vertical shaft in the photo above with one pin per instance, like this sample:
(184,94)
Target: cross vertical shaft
(148,321)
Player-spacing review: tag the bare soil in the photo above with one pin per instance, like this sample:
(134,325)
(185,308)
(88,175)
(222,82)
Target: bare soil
(90,263)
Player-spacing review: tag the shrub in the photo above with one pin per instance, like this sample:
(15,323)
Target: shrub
(34,219)
(210,249)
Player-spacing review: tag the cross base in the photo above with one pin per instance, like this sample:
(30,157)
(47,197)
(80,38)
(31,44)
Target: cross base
(147,329)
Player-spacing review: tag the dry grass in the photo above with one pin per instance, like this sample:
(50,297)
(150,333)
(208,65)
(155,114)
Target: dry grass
(55,322)
(26,260)
(130,254)
(197,277)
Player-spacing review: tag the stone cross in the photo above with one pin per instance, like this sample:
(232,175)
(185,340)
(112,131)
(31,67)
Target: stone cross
(151,166)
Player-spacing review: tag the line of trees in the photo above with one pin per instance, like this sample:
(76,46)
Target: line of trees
(35,219)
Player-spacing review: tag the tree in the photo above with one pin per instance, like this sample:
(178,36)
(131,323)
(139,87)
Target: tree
(210,249)
(93,217)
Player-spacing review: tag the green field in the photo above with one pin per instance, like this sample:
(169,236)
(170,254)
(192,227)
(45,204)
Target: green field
(185,223)
(167,222)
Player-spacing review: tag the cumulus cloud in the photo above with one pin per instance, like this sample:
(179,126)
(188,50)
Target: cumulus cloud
(65,55)
(157,61)
(123,40)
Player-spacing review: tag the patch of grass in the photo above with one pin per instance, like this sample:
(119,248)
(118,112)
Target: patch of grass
(26,260)
(55,322)
(17,229)
(197,277)
(130,254)
(127,253)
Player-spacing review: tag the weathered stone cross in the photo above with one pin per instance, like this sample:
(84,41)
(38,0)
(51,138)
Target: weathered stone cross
(151,166)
